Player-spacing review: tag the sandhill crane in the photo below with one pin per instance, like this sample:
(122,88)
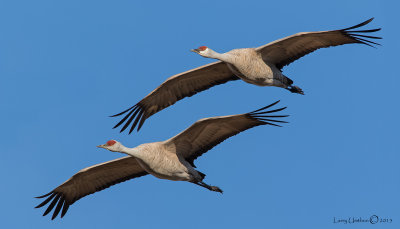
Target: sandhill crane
(260,66)
(172,159)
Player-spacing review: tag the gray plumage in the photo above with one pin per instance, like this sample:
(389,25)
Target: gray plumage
(260,66)
(172,159)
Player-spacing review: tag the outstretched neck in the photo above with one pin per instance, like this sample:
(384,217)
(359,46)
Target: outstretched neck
(135,152)
(226,57)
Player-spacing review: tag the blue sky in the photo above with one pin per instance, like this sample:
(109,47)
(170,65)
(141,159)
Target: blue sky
(67,65)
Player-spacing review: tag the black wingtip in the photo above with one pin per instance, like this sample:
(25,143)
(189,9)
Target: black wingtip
(365,40)
(365,30)
(136,114)
(130,119)
(272,120)
(46,200)
(272,124)
(123,112)
(262,115)
(52,204)
(58,201)
(138,117)
(359,38)
(360,35)
(142,119)
(58,208)
(65,208)
(266,107)
(359,25)
(43,195)
(131,114)
(271,111)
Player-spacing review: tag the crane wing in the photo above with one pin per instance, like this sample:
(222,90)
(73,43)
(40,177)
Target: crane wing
(173,89)
(91,180)
(286,50)
(204,134)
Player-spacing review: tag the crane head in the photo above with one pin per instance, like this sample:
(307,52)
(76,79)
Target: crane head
(200,50)
(111,145)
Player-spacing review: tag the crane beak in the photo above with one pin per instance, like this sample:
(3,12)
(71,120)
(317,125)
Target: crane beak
(195,50)
(101,146)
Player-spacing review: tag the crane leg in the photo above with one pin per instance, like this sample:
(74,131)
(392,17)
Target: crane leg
(209,187)
(295,89)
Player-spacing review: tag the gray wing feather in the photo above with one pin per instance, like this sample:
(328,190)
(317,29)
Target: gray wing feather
(174,89)
(204,134)
(91,180)
(286,50)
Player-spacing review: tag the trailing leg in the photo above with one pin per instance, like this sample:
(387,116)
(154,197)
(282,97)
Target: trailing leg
(295,89)
(209,187)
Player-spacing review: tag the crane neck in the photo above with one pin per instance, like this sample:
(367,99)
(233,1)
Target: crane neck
(226,57)
(135,152)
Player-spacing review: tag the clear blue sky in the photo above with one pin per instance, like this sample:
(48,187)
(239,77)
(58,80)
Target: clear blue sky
(66,65)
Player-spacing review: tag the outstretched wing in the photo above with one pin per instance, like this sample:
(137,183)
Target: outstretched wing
(207,133)
(90,180)
(173,89)
(286,50)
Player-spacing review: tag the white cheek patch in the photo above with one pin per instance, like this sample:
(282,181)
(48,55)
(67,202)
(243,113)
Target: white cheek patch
(203,52)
